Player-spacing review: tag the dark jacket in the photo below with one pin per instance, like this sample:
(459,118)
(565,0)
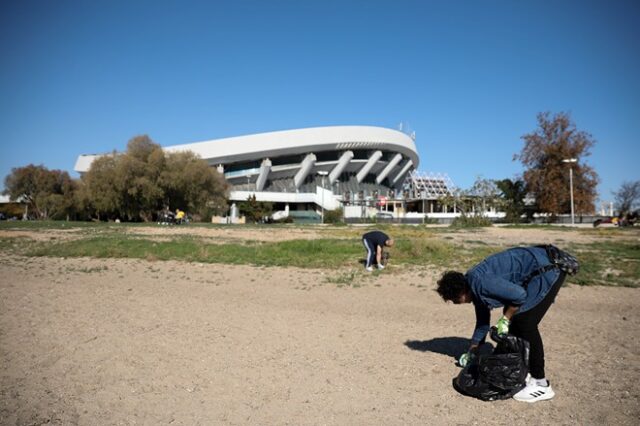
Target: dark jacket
(376,238)
(499,280)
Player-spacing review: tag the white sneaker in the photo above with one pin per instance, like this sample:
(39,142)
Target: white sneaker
(380,266)
(533,392)
(369,268)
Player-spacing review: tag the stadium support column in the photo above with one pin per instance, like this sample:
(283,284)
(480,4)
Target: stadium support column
(305,167)
(364,171)
(265,168)
(342,163)
(396,180)
(394,162)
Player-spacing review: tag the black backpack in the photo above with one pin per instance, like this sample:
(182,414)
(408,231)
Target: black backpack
(499,375)
(560,259)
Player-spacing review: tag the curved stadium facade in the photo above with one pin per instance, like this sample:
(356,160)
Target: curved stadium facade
(303,170)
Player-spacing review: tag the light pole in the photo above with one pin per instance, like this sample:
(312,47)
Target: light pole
(322,173)
(570,161)
(337,194)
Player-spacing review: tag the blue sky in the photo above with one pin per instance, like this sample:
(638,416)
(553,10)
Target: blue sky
(468,77)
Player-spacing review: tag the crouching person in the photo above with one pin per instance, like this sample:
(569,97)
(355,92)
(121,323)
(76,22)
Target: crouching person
(523,282)
(374,242)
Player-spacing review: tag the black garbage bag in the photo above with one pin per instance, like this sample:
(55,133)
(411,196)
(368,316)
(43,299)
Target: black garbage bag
(498,375)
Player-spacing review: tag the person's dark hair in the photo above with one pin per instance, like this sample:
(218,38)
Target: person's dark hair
(452,285)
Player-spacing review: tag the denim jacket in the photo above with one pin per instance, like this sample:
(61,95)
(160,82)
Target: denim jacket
(499,280)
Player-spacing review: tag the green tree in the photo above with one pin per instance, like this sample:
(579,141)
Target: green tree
(138,183)
(547,177)
(255,210)
(61,202)
(513,194)
(47,193)
(99,195)
(191,185)
(137,179)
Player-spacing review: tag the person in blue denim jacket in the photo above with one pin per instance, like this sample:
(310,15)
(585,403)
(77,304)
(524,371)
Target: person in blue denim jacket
(511,280)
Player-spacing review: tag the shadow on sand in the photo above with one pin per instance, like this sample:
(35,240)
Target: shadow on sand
(450,346)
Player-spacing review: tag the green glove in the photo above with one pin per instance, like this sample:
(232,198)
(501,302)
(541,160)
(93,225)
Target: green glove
(503,325)
(465,359)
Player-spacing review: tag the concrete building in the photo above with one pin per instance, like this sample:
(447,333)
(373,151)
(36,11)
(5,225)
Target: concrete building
(363,169)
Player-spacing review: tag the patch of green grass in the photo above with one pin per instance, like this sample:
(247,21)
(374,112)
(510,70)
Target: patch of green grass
(17,245)
(613,263)
(471,222)
(59,224)
(420,250)
(345,279)
(441,253)
(608,232)
(87,270)
(476,242)
(322,253)
(538,226)
(610,261)
(319,253)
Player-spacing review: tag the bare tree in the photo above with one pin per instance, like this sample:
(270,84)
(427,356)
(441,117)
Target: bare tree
(628,197)
(483,194)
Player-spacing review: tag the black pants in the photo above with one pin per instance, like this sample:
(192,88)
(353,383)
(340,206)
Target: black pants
(371,252)
(525,326)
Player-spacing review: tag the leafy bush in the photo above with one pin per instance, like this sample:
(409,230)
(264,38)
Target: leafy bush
(475,221)
(334,216)
(286,219)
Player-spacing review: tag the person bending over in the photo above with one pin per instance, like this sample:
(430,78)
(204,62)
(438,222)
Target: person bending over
(510,279)
(374,242)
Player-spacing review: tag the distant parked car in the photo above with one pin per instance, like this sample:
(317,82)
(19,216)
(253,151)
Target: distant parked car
(629,219)
(384,215)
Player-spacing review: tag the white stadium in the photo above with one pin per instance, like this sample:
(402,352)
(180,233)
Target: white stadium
(368,171)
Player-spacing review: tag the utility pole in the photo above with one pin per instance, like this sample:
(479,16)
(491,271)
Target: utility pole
(570,161)
(322,173)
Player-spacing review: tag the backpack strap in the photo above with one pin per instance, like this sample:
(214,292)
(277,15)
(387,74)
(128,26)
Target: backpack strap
(541,270)
(537,272)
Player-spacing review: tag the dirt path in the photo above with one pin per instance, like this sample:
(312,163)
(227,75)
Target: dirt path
(133,342)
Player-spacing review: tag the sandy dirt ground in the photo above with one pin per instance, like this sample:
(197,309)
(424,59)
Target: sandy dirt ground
(129,342)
